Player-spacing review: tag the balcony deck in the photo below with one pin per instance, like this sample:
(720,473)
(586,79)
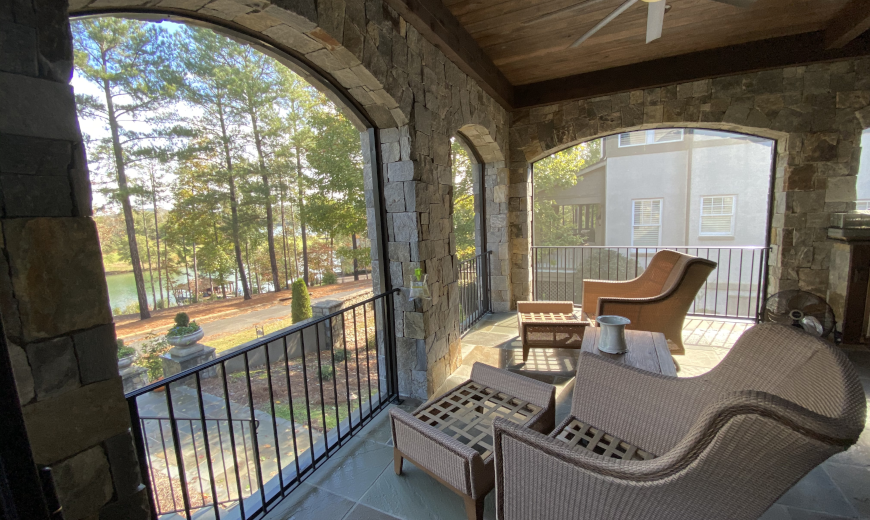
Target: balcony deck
(359,483)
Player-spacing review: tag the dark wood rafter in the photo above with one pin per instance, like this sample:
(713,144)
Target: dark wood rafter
(436,23)
(736,59)
(852,21)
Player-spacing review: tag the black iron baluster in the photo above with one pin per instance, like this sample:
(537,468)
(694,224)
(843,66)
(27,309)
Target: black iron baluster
(247,460)
(196,461)
(728,281)
(334,380)
(290,405)
(152,484)
(274,417)
(368,363)
(140,442)
(740,285)
(307,398)
(377,349)
(232,439)
(224,458)
(718,270)
(358,377)
(320,386)
(179,456)
(255,441)
(346,370)
(207,446)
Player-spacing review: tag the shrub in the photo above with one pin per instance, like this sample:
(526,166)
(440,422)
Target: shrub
(151,350)
(340,355)
(326,373)
(300,306)
(329,278)
(124,351)
(182,319)
(371,344)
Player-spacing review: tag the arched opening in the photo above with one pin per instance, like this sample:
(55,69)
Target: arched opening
(222,178)
(603,208)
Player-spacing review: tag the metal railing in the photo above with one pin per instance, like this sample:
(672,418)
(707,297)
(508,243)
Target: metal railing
(474,290)
(236,434)
(735,289)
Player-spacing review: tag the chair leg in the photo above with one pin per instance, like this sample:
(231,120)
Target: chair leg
(397,461)
(525,353)
(474,508)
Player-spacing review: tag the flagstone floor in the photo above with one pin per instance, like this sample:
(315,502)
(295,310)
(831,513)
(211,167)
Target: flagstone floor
(359,483)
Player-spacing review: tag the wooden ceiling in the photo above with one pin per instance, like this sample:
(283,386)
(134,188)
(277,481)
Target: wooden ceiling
(528,51)
(519,50)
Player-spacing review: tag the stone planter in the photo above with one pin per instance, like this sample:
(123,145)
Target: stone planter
(125,362)
(184,341)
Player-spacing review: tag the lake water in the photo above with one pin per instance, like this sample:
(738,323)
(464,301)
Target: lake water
(122,289)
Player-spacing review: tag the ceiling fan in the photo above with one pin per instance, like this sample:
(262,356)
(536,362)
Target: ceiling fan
(655,16)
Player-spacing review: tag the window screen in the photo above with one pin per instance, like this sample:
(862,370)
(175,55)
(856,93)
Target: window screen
(717,216)
(646,222)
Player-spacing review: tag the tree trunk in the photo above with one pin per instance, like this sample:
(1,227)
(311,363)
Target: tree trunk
(186,270)
(302,220)
(195,275)
(273,262)
(234,205)
(148,253)
(125,201)
(157,239)
(354,245)
(284,237)
(293,235)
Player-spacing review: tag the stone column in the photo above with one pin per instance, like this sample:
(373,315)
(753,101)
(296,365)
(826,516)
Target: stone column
(53,295)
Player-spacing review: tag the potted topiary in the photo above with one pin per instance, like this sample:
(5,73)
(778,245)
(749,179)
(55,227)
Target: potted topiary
(185,335)
(126,355)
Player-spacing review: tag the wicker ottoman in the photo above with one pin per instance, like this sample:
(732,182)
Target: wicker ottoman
(450,437)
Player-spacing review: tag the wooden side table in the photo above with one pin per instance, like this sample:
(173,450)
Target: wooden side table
(646,350)
(550,330)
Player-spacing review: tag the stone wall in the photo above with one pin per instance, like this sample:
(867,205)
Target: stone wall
(816,114)
(53,295)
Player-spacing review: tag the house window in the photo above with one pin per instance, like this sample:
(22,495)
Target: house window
(646,229)
(661,135)
(862,205)
(717,216)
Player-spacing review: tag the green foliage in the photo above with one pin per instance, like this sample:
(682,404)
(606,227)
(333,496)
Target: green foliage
(340,355)
(178,331)
(182,319)
(151,349)
(552,175)
(463,201)
(131,308)
(329,278)
(326,373)
(124,351)
(300,306)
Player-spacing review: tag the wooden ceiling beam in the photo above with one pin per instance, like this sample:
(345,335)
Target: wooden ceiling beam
(852,21)
(724,61)
(438,25)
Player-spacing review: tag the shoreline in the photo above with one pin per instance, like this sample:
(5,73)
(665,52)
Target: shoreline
(110,273)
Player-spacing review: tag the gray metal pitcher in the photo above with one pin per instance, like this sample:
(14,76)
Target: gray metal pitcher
(612,339)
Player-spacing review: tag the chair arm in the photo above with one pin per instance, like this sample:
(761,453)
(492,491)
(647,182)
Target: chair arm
(556,307)
(446,457)
(595,289)
(649,410)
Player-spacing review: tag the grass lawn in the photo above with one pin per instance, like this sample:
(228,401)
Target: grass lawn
(235,339)
(299,415)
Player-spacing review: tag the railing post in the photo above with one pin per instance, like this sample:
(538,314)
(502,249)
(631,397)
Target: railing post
(390,353)
(139,443)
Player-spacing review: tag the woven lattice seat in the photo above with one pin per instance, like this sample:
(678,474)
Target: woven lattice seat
(580,436)
(466,414)
(549,325)
(450,436)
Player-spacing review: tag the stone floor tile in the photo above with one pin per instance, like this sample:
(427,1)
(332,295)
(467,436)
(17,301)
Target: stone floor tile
(361,512)
(776,512)
(804,514)
(690,371)
(854,482)
(307,502)
(353,469)
(858,454)
(488,339)
(416,496)
(817,492)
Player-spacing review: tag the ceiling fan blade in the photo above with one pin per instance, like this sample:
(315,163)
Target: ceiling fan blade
(737,3)
(616,12)
(655,19)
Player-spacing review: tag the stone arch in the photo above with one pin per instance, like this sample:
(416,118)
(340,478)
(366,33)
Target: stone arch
(307,41)
(815,114)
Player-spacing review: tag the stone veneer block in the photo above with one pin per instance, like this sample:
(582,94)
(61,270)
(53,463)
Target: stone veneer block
(86,416)
(54,367)
(21,371)
(34,107)
(32,196)
(57,275)
(97,351)
(83,484)
(124,464)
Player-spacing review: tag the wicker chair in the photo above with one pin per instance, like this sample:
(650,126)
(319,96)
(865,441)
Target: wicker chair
(657,300)
(723,445)
(450,437)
